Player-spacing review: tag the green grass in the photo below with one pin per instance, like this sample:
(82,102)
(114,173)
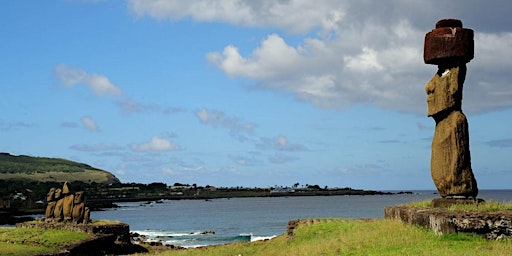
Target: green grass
(360,237)
(33,241)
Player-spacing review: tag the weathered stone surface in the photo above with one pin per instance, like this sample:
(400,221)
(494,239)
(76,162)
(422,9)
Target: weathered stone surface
(62,205)
(57,213)
(444,91)
(448,41)
(451,160)
(87,215)
(50,207)
(67,205)
(78,207)
(491,225)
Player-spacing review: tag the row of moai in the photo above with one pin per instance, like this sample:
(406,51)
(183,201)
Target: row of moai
(62,205)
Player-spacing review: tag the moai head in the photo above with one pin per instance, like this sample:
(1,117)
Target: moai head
(58,194)
(450,47)
(65,188)
(79,197)
(50,195)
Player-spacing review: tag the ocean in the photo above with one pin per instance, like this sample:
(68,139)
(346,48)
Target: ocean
(194,223)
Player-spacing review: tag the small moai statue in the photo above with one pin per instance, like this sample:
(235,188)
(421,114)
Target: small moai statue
(50,204)
(67,206)
(57,212)
(87,215)
(450,47)
(79,207)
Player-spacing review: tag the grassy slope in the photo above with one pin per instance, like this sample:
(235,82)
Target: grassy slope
(360,237)
(33,241)
(50,169)
(311,237)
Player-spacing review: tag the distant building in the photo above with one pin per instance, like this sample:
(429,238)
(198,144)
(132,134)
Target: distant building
(282,190)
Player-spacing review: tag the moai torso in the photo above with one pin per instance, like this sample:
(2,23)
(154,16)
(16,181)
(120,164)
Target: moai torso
(78,207)
(50,207)
(57,212)
(67,204)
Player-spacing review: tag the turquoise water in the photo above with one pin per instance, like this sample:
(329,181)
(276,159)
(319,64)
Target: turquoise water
(192,223)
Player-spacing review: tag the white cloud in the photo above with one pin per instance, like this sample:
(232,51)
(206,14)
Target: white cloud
(236,126)
(351,53)
(156,144)
(289,15)
(99,84)
(90,124)
(364,62)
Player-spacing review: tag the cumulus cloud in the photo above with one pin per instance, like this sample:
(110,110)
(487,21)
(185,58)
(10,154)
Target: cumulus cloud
(99,84)
(236,126)
(156,144)
(90,124)
(350,53)
(288,15)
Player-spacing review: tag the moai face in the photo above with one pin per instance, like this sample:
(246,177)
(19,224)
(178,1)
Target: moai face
(439,97)
(79,197)
(58,193)
(444,91)
(50,195)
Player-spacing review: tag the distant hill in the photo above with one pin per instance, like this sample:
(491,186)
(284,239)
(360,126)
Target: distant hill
(43,169)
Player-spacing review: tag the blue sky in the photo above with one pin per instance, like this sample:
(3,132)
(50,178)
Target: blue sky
(248,93)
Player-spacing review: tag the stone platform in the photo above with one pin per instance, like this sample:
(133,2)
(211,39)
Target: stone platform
(489,224)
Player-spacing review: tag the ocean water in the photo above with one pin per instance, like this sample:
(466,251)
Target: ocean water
(193,223)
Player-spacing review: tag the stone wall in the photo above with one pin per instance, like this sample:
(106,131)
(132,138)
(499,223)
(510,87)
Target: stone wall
(491,225)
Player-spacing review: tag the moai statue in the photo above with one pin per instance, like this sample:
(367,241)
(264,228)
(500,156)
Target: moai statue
(450,47)
(78,207)
(50,204)
(57,212)
(67,206)
(87,215)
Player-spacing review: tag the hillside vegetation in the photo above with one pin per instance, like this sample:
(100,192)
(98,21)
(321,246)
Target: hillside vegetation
(43,169)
